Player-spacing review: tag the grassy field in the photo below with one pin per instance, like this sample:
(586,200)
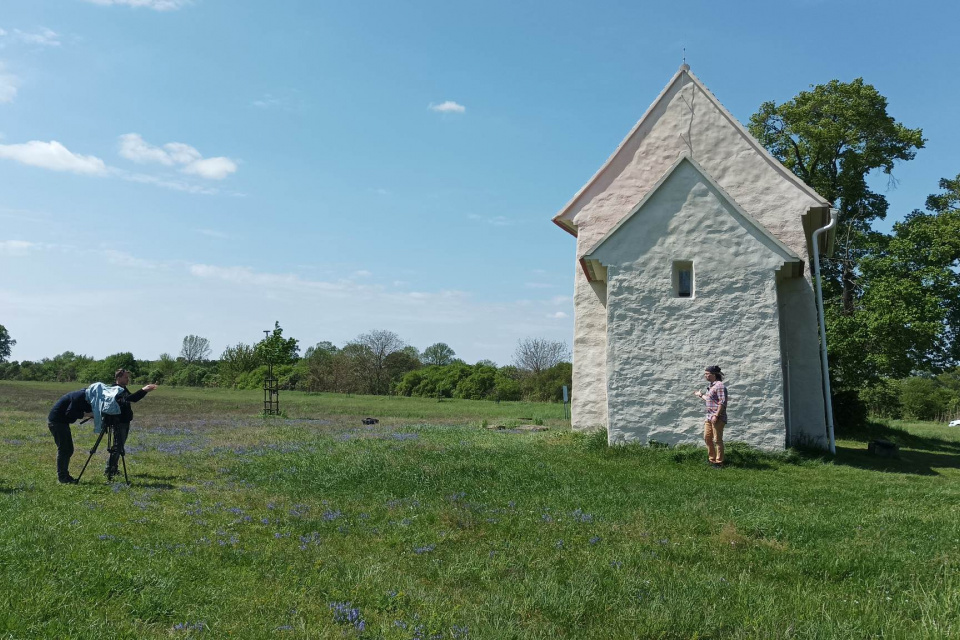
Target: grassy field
(428,526)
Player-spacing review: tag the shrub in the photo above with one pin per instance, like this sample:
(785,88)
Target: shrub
(849,411)
(924,398)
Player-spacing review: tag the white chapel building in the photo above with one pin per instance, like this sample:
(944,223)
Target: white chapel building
(694,248)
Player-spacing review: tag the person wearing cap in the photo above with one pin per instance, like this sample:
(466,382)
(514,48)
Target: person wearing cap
(716,416)
(122,379)
(67,410)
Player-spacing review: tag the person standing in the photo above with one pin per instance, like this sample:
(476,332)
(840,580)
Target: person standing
(122,379)
(716,416)
(67,410)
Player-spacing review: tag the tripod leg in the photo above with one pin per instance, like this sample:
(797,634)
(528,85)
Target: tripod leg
(123,460)
(92,451)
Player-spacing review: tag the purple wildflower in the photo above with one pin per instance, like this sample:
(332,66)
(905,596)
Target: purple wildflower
(346,613)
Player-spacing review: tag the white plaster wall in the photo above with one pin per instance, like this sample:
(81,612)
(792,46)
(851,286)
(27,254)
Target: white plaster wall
(687,121)
(588,406)
(658,345)
(800,343)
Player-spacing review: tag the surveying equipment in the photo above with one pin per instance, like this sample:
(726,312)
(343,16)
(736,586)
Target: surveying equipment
(109,426)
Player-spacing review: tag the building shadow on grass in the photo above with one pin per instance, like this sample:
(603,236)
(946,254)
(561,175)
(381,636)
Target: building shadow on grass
(919,455)
(923,463)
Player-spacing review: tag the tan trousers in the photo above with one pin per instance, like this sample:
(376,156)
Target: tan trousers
(713,436)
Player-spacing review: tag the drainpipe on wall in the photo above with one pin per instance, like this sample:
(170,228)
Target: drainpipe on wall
(823,329)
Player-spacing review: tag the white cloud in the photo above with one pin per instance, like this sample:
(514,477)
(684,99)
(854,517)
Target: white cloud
(44,37)
(247,276)
(448,106)
(267,101)
(156,5)
(8,85)
(211,168)
(175,185)
(54,156)
(559,315)
(16,247)
(133,147)
(363,273)
(539,285)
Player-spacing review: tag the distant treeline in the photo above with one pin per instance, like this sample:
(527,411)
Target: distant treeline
(377,363)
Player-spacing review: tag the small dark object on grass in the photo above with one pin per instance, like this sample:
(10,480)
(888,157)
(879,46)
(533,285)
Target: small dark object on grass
(883,448)
(370,421)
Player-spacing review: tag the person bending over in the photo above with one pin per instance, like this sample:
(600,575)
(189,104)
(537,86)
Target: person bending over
(67,410)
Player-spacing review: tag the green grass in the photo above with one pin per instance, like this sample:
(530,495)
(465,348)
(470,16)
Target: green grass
(431,526)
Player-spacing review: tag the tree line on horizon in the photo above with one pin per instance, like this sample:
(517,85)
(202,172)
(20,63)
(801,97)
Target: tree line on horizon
(377,363)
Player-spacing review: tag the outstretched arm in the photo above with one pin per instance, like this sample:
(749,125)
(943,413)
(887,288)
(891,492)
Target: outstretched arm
(140,395)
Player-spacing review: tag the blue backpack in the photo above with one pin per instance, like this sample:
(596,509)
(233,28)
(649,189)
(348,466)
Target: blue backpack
(105,401)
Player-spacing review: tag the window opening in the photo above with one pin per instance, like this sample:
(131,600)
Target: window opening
(683,286)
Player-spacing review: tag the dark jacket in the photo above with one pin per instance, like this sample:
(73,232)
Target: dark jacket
(126,413)
(70,407)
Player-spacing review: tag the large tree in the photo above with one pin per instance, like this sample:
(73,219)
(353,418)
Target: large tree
(907,313)
(194,349)
(379,344)
(534,355)
(6,343)
(833,137)
(439,354)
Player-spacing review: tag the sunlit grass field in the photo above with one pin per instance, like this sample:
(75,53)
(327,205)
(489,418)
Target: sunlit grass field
(428,525)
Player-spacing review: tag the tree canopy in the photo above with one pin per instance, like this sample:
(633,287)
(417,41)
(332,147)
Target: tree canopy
(195,349)
(833,137)
(6,343)
(439,354)
(275,349)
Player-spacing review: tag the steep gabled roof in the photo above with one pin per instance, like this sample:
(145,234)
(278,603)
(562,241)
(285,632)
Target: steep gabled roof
(594,270)
(564,218)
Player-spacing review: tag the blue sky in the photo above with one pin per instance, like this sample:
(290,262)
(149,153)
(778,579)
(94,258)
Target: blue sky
(174,167)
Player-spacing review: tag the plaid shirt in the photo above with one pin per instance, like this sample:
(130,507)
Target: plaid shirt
(716,398)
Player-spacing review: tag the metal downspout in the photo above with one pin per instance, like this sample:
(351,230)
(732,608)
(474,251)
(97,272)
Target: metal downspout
(823,329)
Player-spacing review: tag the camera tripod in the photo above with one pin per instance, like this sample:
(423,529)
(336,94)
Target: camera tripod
(109,428)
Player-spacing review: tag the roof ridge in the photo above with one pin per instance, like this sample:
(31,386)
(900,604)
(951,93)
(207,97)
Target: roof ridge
(684,69)
(790,255)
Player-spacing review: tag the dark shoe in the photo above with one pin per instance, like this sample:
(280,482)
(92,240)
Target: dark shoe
(716,465)
(110,472)
(67,480)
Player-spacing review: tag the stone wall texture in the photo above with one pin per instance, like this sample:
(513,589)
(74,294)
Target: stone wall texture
(686,120)
(658,344)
